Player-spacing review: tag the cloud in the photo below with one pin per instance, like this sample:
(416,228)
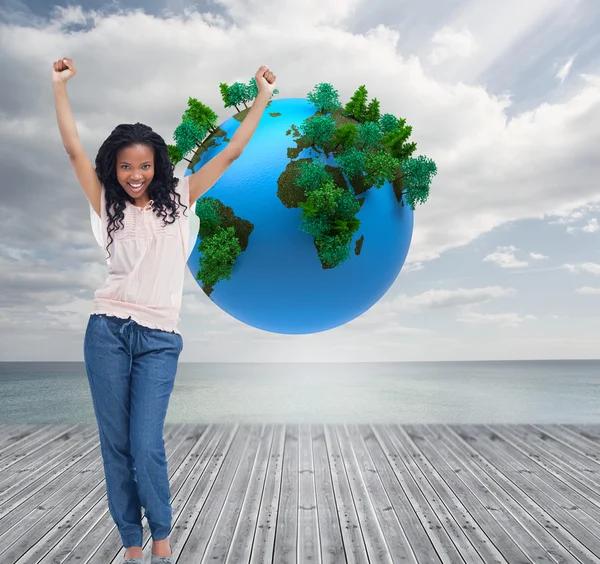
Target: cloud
(573,216)
(438,299)
(591,267)
(564,71)
(518,192)
(412,267)
(399,330)
(588,290)
(450,43)
(503,319)
(591,227)
(505,257)
(286,13)
(537,256)
(568,218)
(503,29)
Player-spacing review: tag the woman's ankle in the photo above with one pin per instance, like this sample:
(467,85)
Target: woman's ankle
(161,547)
(134,552)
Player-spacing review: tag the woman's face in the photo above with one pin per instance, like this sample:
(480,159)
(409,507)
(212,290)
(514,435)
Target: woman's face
(135,166)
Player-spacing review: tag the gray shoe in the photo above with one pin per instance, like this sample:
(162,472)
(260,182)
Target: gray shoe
(133,561)
(162,559)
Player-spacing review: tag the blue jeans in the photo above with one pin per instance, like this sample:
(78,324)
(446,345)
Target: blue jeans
(131,371)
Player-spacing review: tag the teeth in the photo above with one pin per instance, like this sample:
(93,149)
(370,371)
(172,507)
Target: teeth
(135,185)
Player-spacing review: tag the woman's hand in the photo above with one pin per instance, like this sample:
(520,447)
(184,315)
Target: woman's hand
(265,80)
(63,70)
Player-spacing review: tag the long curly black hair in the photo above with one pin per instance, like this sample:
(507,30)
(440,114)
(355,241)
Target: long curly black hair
(162,188)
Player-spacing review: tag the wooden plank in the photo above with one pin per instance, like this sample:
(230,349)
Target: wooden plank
(330,533)
(579,492)
(12,434)
(285,547)
(446,518)
(264,536)
(227,522)
(375,541)
(398,487)
(554,462)
(354,543)
(240,548)
(489,527)
(578,433)
(193,483)
(588,430)
(515,474)
(30,473)
(580,452)
(309,549)
(29,527)
(397,544)
(24,497)
(39,441)
(202,509)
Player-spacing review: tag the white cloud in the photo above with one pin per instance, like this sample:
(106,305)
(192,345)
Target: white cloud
(505,257)
(592,226)
(591,267)
(503,319)
(564,71)
(437,299)
(502,30)
(412,267)
(573,216)
(568,218)
(399,330)
(289,13)
(518,192)
(588,290)
(537,256)
(450,43)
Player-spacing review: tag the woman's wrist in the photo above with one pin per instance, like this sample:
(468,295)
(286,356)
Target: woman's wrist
(263,97)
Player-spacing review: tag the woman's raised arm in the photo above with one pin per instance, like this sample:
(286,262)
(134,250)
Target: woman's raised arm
(62,71)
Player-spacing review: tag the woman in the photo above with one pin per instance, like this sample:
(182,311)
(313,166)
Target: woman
(132,344)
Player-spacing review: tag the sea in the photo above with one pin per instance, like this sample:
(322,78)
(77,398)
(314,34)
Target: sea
(504,392)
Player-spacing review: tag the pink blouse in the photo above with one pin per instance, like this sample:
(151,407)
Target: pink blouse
(146,266)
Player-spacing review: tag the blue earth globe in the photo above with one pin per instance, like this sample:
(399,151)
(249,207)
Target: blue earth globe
(278,283)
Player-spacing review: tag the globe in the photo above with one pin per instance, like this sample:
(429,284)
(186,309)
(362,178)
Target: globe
(278,282)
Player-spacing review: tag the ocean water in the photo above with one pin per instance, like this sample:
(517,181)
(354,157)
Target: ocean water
(564,391)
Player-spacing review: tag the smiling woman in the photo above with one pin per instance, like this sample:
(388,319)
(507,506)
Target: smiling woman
(132,344)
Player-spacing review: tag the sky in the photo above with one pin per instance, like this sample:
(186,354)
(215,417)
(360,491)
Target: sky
(504,97)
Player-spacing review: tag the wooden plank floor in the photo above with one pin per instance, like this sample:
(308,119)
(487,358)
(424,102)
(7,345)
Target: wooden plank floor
(317,494)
